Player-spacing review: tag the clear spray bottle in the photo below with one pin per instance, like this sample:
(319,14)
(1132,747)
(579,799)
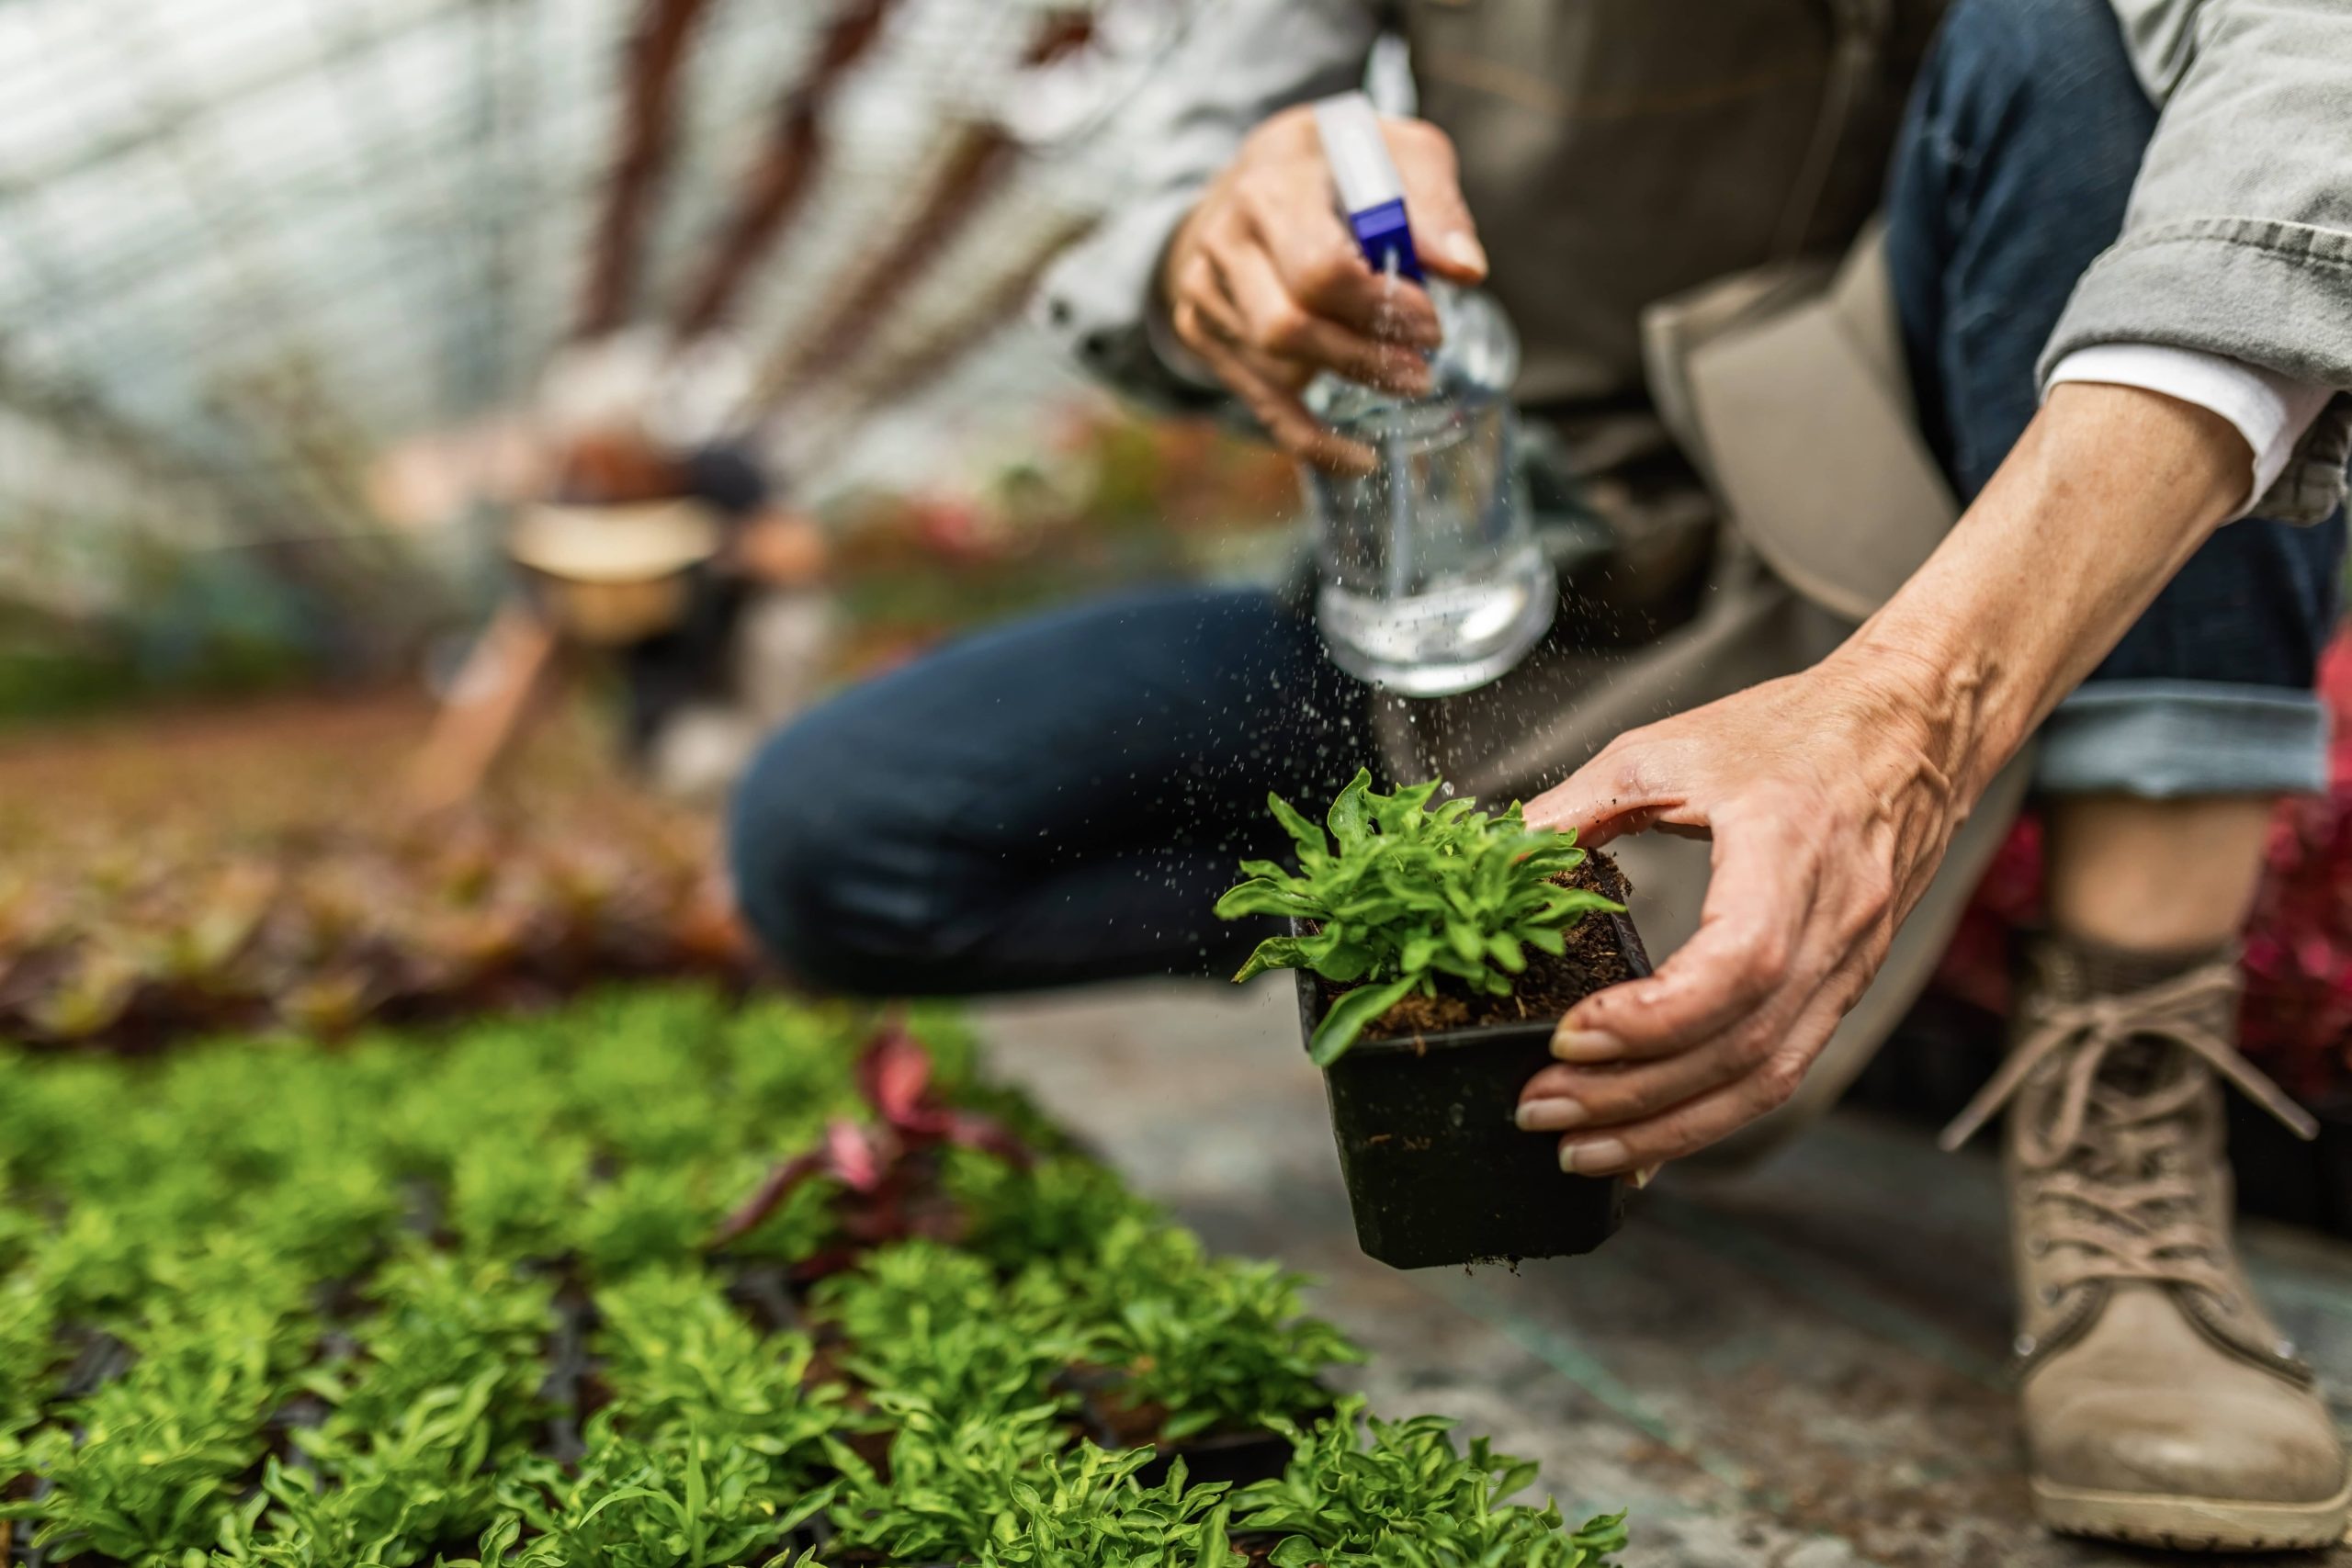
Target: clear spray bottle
(1431,582)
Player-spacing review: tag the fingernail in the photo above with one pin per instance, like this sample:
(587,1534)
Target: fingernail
(1644,1176)
(1463,247)
(1550,1115)
(1592,1158)
(1585,1044)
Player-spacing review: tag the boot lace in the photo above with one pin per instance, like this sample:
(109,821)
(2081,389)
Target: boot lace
(2111,1141)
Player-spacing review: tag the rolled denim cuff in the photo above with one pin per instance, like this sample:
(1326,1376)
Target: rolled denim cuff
(2162,740)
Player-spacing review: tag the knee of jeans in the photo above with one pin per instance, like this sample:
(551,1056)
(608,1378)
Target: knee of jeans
(2066,56)
(798,840)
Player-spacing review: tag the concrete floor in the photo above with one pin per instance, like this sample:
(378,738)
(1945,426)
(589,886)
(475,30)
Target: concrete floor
(1800,1368)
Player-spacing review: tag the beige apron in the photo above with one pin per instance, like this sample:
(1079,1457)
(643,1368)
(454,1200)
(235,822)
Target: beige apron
(1665,187)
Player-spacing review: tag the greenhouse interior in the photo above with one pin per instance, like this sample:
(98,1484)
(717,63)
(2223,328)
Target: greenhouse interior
(660,658)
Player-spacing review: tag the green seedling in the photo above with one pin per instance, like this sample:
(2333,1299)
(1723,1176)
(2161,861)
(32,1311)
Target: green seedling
(382,1498)
(1058,1209)
(679,1357)
(948,1492)
(152,1475)
(514,1199)
(684,1499)
(28,1358)
(263,1306)
(1399,897)
(932,1324)
(444,1325)
(1221,1345)
(1376,1493)
(1087,1510)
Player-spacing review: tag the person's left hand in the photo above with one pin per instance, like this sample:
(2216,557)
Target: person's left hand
(1830,797)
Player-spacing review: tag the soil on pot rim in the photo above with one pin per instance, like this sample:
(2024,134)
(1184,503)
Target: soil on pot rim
(1546,988)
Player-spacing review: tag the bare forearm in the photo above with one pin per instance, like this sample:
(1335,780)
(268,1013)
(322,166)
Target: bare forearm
(2106,496)
(1831,796)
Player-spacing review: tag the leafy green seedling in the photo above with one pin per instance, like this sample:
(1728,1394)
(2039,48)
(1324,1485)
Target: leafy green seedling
(1220,1344)
(153,1474)
(1396,1495)
(925,1322)
(444,1324)
(1400,896)
(1059,1207)
(681,1499)
(1005,1490)
(398,1491)
(677,1354)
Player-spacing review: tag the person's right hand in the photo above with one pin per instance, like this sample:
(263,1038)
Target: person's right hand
(1265,283)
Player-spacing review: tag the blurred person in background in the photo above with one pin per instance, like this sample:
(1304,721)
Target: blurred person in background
(2116,267)
(685,570)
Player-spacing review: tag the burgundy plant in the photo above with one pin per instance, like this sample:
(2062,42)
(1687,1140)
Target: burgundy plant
(884,1163)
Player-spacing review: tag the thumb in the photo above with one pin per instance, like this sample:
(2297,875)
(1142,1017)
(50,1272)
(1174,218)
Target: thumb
(1444,235)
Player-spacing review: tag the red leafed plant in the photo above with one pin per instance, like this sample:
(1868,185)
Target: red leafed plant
(883,1164)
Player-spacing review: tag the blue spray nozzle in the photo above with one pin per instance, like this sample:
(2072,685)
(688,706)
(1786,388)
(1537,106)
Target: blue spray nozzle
(1371,191)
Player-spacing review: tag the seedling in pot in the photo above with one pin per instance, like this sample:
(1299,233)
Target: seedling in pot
(1435,947)
(1400,898)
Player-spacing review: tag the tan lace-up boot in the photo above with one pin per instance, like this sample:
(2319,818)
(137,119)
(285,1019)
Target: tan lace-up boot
(2162,1405)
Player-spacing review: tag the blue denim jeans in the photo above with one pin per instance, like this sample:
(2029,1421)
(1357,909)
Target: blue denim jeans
(1062,800)
(2023,137)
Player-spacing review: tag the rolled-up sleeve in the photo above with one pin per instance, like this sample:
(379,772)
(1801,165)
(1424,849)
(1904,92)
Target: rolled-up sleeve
(1242,60)
(2238,242)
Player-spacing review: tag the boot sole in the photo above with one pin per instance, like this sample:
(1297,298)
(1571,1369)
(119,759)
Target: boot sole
(2192,1524)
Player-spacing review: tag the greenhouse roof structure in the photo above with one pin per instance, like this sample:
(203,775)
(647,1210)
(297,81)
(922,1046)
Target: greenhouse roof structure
(249,247)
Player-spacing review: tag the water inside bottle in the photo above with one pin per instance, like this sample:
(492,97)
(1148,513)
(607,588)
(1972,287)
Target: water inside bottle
(1432,582)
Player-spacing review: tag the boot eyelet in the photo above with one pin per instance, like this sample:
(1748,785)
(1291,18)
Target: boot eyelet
(2025,1345)
(2050,1295)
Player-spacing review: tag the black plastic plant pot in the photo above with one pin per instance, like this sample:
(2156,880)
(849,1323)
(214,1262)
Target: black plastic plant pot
(1437,1170)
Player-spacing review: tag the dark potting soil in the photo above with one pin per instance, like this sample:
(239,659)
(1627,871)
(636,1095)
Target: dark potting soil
(1548,988)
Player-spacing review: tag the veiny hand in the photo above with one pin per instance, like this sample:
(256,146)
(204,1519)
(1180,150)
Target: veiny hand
(1830,797)
(1265,283)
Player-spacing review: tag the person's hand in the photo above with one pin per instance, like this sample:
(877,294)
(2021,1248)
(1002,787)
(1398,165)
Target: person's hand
(1831,797)
(783,549)
(1264,283)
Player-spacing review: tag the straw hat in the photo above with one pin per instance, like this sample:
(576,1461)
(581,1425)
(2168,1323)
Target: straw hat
(638,543)
(614,575)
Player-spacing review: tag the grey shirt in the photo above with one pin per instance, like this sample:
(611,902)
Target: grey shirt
(2238,243)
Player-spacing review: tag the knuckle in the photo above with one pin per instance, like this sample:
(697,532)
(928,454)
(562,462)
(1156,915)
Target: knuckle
(1619,766)
(1776,1081)
(1549,1083)
(1874,899)
(1761,956)
(1848,989)
(1422,139)
(1327,272)
(1284,328)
